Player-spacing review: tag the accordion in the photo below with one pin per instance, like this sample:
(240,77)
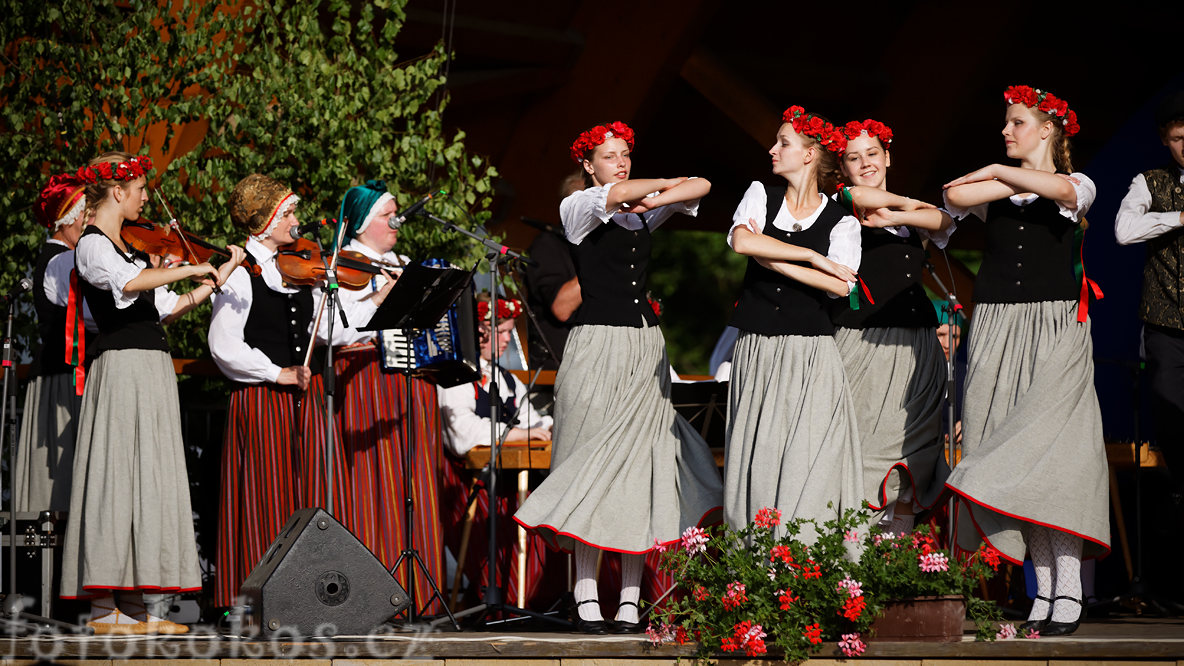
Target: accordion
(446,354)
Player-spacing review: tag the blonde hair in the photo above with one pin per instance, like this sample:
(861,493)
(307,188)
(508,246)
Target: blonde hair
(97,192)
(1061,157)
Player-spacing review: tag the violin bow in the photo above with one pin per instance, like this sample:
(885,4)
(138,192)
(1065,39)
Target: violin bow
(176,227)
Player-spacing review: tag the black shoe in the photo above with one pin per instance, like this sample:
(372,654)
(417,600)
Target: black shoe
(620,627)
(1061,628)
(1037,625)
(589,626)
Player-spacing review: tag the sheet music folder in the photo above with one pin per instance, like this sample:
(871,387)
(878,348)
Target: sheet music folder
(419,298)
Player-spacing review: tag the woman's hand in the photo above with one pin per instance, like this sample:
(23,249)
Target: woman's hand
(204,273)
(989,172)
(380,295)
(831,268)
(878,218)
(237,256)
(643,205)
(296,375)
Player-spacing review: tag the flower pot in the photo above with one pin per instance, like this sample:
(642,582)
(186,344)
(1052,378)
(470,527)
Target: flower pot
(929,619)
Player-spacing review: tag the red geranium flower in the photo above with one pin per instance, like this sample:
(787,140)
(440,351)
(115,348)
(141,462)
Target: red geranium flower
(813,633)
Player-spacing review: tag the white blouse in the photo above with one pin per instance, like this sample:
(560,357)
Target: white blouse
(584,210)
(359,307)
(56,283)
(463,429)
(1083,187)
(100,263)
(845,246)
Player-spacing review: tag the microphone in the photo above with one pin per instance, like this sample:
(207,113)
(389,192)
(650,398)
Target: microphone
(413,209)
(21,287)
(309,227)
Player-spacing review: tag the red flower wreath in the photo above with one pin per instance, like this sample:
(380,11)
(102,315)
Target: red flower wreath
(1046,102)
(816,128)
(507,308)
(874,128)
(588,140)
(129,170)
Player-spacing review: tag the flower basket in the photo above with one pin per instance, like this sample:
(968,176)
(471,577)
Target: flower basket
(935,619)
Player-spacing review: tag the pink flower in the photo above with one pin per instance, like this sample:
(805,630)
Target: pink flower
(851,536)
(854,588)
(694,540)
(658,634)
(768,517)
(735,596)
(659,546)
(851,645)
(1032,634)
(1006,632)
(934,562)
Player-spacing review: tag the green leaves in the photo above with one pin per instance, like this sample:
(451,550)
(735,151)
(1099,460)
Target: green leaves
(306,92)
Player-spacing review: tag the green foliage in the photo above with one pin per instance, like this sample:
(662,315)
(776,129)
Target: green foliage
(311,93)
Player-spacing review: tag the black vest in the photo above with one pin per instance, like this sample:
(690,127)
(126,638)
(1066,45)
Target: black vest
(1163,273)
(134,327)
(891,267)
(50,357)
(277,324)
(611,263)
(1031,255)
(506,409)
(772,304)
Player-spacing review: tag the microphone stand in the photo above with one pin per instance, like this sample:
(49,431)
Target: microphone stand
(492,599)
(951,308)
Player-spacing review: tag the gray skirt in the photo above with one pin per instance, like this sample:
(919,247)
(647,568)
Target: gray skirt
(1031,430)
(626,470)
(130,525)
(45,455)
(792,442)
(897,378)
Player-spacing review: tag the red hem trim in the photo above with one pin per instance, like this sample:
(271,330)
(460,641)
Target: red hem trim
(971,500)
(883,499)
(573,537)
(141,588)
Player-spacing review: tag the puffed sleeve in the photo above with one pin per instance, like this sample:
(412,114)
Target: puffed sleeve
(960,213)
(583,211)
(939,238)
(846,247)
(1085,191)
(100,264)
(753,206)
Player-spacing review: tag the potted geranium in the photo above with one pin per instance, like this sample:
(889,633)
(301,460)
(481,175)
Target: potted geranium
(797,585)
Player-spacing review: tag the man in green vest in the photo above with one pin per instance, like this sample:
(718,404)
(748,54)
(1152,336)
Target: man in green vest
(1153,213)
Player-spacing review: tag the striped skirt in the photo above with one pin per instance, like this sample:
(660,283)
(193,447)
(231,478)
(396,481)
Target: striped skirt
(272,465)
(454,498)
(369,415)
(45,456)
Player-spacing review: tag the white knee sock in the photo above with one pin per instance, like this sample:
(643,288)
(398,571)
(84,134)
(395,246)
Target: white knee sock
(1040,548)
(1066,548)
(631,568)
(585,587)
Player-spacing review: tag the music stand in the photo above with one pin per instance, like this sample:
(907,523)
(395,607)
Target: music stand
(419,298)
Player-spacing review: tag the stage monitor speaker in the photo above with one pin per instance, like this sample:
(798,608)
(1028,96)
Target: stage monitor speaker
(317,579)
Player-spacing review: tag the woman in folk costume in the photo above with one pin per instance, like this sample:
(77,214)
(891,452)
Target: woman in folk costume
(370,405)
(131,527)
(894,364)
(45,454)
(1033,473)
(791,436)
(627,472)
(466,412)
(272,454)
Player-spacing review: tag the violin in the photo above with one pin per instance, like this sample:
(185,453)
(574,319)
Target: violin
(165,240)
(303,263)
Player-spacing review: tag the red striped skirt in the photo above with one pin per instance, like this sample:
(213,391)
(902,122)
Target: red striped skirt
(272,465)
(370,426)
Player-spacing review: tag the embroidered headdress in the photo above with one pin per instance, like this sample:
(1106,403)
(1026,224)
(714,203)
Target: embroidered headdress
(258,202)
(61,201)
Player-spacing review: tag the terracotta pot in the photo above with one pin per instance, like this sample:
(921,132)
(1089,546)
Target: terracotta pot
(928,619)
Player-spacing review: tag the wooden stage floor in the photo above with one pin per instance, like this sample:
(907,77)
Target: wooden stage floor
(1112,641)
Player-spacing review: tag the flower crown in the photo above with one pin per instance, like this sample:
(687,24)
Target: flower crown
(874,129)
(507,308)
(129,170)
(587,141)
(1046,102)
(816,128)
